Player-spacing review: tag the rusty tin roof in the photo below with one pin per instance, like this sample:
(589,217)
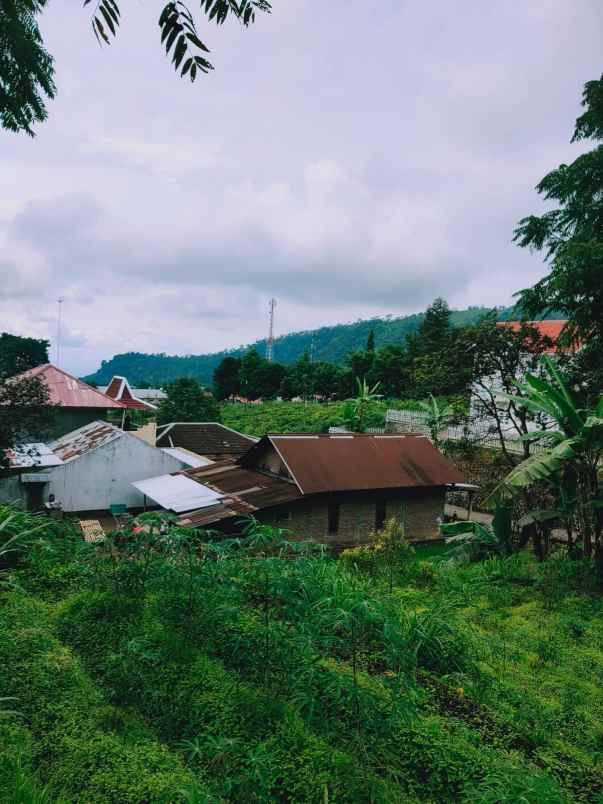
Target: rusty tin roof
(66,390)
(357,462)
(84,439)
(245,492)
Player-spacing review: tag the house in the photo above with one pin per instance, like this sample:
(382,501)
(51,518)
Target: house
(78,403)
(546,329)
(208,439)
(88,469)
(487,392)
(335,489)
(120,390)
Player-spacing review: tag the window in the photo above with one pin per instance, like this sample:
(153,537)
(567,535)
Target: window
(333,516)
(380,512)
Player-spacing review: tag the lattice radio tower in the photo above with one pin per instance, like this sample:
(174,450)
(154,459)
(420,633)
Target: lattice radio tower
(270,341)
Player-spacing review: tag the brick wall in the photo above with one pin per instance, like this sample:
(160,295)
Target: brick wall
(309,518)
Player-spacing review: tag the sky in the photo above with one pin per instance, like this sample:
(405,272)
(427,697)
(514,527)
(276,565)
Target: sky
(350,159)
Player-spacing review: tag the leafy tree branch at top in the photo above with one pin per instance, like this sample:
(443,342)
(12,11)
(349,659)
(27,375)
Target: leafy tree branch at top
(27,69)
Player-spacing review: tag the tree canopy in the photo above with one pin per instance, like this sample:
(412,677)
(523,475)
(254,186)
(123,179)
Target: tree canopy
(27,69)
(187,401)
(571,234)
(18,354)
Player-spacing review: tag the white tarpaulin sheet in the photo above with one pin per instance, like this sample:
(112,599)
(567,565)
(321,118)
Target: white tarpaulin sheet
(177,493)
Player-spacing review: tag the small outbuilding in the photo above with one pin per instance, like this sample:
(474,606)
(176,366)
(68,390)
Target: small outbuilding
(336,489)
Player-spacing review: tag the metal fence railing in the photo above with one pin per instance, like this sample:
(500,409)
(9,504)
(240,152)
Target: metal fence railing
(476,430)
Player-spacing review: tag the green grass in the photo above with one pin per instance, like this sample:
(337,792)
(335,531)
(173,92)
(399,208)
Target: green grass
(262,678)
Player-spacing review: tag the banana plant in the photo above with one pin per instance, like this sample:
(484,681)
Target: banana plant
(355,410)
(475,540)
(568,465)
(436,417)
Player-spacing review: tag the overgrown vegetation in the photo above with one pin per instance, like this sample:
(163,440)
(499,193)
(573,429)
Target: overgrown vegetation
(171,669)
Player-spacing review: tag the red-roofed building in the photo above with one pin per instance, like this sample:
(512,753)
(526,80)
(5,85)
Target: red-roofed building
(547,329)
(120,390)
(78,403)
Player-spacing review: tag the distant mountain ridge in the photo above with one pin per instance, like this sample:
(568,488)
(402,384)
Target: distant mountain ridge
(331,344)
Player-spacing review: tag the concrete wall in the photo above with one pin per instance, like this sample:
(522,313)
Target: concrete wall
(419,509)
(11,490)
(103,476)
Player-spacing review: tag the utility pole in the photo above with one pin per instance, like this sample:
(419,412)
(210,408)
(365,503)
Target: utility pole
(58,349)
(270,341)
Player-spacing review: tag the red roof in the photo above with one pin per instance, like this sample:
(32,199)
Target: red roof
(119,389)
(66,390)
(547,329)
(356,462)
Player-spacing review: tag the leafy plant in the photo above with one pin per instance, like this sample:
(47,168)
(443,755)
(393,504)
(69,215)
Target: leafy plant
(568,465)
(436,417)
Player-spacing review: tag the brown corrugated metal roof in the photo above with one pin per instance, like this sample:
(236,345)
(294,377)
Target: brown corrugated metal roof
(320,463)
(355,462)
(211,439)
(246,491)
(68,391)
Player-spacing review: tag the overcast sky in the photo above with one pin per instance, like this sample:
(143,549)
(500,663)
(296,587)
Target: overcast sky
(350,158)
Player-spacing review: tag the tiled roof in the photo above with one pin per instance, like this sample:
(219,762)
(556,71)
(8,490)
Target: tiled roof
(210,439)
(66,390)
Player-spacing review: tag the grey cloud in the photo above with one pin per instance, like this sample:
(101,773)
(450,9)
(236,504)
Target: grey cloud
(349,158)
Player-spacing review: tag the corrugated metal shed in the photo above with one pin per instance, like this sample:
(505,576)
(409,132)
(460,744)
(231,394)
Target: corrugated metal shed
(244,492)
(68,391)
(85,439)
(356,462)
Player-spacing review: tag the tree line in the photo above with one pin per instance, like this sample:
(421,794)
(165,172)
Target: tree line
(437,359)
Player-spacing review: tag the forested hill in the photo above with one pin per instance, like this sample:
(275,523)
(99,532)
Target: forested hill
(330,344)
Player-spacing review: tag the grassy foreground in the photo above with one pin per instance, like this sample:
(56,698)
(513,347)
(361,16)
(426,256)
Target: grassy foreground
(252,673)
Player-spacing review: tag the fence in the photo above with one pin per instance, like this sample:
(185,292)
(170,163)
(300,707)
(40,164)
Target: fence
(477,431)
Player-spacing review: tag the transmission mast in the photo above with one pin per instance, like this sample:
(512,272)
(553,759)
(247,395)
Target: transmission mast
(270,341)
(58,348)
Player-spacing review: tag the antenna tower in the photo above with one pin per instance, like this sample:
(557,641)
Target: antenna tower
(58,349)
(270,341)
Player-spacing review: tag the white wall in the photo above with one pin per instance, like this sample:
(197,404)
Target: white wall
(103,476)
